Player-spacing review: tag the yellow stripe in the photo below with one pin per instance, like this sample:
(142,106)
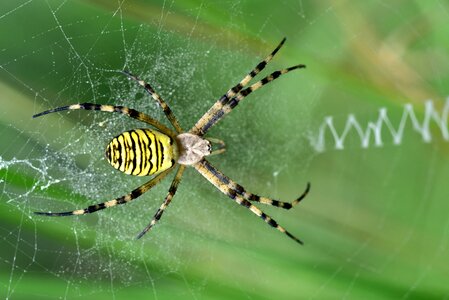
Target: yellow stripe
(153,152)
(159,153)
(129,165)
(138,153)
(123,153)
(127,152)
(107,108)
(146,152)
(113,146)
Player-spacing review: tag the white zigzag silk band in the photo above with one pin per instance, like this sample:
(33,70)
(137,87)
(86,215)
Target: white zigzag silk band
(372,132)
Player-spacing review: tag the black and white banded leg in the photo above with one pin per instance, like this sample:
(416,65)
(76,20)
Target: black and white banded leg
(232,187)
(232,103)
(132,113)
(149,89)
(204,168)
(198,128)
(122,200)
(167,200)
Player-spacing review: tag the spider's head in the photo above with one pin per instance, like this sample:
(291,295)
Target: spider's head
(192,148)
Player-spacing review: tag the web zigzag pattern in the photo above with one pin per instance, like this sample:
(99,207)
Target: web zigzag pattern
(372,133)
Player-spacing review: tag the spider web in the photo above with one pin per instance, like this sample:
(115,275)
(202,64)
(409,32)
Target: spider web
(375,223)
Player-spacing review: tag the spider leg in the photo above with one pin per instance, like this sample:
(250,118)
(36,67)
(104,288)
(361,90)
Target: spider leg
(203,167)
(197,129)
(122,200)
(149,89)
(132,113)
(231,104)
(234,187)
(221,146)
(171,193)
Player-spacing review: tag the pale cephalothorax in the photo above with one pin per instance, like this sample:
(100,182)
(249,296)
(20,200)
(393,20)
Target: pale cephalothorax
(156,152)
(192,148)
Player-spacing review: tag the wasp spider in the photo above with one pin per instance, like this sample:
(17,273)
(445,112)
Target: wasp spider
(144,152)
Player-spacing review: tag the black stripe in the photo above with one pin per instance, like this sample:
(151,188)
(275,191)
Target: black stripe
(90,106)
(239,189)
(265,80)
(119,150)
(253,197)
(275,203)
(272,223)
(157,152)
(236,88)
(108,152)
(133,113)
(127,153)
(173,188)
(52,111)
(94,208)
(233,103)
(275,75)
(150,89)
(121,200)
(286,205)
(245,203)
(113,149)
(231,194)
(216,173)
(136,193)
(167,110)
(224,99)
(162,153)
(296,67)
(212,121)
(133,146)
(149,150)
(124,147)
(260,66)
(246,92)
(142,152)
(158,214)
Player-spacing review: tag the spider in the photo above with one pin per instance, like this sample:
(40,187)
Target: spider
(144,152)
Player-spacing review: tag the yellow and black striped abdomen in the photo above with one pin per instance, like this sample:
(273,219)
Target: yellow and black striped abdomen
(142,152)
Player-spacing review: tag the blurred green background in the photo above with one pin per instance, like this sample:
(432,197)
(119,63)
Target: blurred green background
(375,223)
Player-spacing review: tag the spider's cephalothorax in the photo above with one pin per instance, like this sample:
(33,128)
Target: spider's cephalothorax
(157,151)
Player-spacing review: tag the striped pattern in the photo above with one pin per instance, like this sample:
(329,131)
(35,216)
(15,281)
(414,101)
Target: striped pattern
(211,114)
(167,200)
(221,182)
(141,152)
(235,188)
(232,103)
(132,113)
(122,200)
(149,89)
